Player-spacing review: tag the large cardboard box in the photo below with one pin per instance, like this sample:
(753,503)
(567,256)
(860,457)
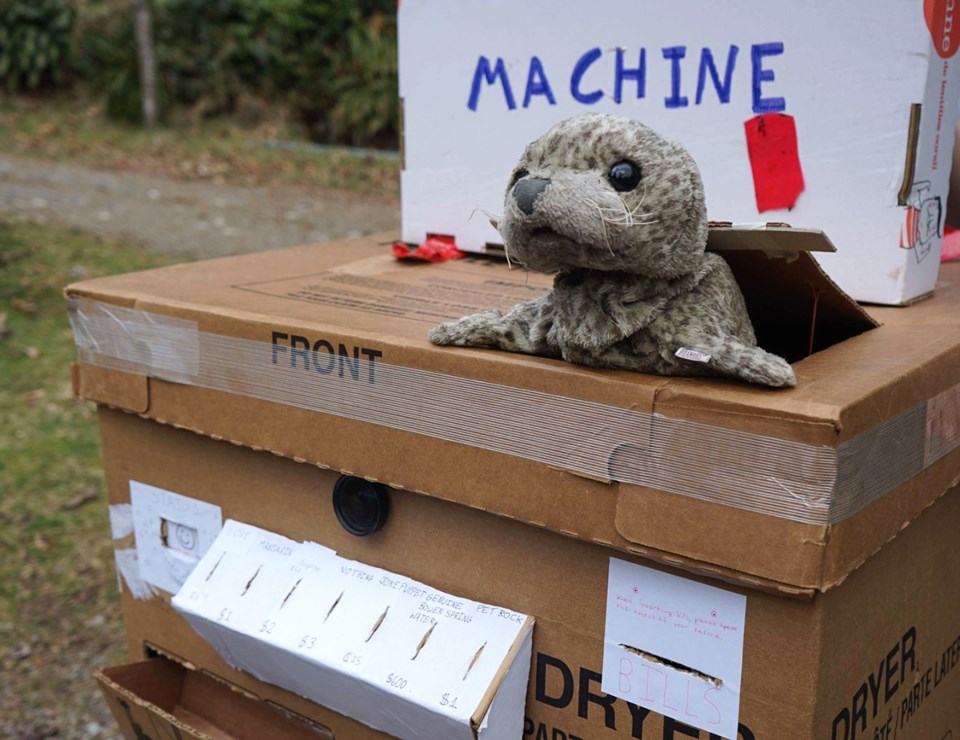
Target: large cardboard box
(818,523)
(837,117)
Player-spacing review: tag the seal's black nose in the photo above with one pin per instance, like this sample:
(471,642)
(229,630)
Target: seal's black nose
(526,192)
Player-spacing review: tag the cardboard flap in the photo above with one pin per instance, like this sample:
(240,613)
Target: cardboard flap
(161,698)
(777,238)
(701,530)
(123,390)
(795,308)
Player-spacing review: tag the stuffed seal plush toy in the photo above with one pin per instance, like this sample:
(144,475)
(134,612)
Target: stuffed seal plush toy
(617,213)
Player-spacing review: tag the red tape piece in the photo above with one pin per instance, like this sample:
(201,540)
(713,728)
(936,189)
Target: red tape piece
(775,160)
(435,248)
(951,245)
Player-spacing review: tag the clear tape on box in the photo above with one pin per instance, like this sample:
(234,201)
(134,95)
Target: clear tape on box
(388,651)
(806,483)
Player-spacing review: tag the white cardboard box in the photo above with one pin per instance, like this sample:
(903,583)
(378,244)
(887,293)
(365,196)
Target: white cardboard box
(388,651)
(870,89)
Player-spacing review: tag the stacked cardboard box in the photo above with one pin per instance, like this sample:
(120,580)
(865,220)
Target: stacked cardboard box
(702,558)
(823,116)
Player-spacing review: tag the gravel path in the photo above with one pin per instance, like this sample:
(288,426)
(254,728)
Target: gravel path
(193,217)
(197,219)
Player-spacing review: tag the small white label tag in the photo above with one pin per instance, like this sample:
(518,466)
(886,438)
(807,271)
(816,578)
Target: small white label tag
(121,520)
(692,355)
(129,570)
(675,646)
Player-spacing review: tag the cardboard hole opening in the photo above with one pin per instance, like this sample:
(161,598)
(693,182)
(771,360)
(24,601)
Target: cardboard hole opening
(473,662)
(179,537)
(214,568)
(423,640)
(672,664)
(377,624)
(332,607)
(250,582)
(290,593)
(796,311)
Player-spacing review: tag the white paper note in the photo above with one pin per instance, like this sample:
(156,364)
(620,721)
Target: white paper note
(674,646)
(172,533)
(121,520)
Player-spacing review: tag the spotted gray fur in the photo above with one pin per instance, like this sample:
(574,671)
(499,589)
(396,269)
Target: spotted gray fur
(633,283)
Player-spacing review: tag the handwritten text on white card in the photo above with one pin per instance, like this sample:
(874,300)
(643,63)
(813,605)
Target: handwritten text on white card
(674,646)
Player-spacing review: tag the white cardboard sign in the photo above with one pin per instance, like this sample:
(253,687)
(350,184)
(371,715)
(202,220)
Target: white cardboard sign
(674,646)
(172,533)
(846,74)
(384,649)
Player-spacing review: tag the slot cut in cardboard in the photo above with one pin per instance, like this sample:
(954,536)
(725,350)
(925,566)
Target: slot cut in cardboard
(370,657)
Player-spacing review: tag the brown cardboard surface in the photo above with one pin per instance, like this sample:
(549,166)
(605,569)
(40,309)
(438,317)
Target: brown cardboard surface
(355,293)
(891,638)
(158,698)
(804,659)
(111,387)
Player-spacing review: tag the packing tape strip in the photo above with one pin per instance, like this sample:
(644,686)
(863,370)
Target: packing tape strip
(121,520)
(801,482)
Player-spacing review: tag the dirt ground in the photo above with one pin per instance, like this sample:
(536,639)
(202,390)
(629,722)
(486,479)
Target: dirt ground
(196,218)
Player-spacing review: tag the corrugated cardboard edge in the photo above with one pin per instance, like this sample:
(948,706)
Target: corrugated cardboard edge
(690,565)
(155,653)
(112,388)
(866,558)
(111,688)
(487,699)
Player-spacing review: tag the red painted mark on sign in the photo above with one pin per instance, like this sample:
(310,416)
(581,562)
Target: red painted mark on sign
(775,160)
(943,21)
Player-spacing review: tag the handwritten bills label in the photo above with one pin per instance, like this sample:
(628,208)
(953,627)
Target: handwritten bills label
(674,646)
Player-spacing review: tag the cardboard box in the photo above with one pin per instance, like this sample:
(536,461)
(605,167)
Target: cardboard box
(810,660)
(554,490)
(160,698)
(836,118)
(393,653)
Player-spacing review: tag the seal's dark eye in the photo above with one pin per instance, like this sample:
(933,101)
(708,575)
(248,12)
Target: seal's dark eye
(518,175)
(624,176)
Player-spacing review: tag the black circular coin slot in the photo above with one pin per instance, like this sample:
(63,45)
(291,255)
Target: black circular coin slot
(361,506)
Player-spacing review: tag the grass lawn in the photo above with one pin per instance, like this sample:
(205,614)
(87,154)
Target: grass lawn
(71,129)
(59,613)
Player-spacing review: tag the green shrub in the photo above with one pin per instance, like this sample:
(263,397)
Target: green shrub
(332,64)
(366,107)
(203,48)
(34,42)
